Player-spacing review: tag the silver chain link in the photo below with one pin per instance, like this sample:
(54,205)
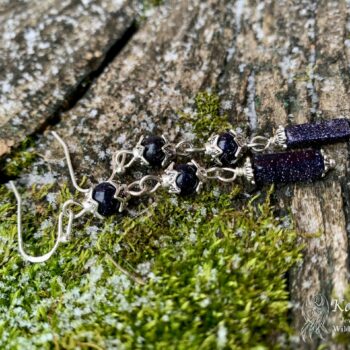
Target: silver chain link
(146,185)
(119,162)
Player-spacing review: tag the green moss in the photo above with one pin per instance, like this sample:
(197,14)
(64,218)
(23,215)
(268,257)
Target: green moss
(203,273)
(182,273)
(208,117)
(146,5)
(153,2)
(257,101)
(21,158)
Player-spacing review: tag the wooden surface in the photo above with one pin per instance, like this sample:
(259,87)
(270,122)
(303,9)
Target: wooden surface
(272,62)
(295,54)
(47,50)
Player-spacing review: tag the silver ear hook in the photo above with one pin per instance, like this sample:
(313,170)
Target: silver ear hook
(69,163)
(61,235)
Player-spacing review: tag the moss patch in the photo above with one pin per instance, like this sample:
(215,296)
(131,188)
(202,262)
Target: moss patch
(153,2)
(145,6)
(196,273)
(18,160)
(178,274)
(208,116)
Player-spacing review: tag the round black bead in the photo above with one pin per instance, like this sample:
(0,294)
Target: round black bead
(229,147)
(103,194)
(153,152)
(187,180)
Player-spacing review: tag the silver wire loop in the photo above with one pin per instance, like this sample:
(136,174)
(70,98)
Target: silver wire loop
(261,143)
(65,237)
(62,235)
(225,174)
(147,185)
(119,164)
(186,148)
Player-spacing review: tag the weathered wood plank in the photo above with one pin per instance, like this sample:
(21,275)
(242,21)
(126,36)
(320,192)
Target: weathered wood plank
(279,62)
(178,53)
(325,267)
(294,54)
(47,49)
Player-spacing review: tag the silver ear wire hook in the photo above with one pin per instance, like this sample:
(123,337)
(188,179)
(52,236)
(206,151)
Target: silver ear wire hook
(61,235)
(69,163)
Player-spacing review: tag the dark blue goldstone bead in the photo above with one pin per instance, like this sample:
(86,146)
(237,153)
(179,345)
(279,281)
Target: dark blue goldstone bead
(229,147)
(329,131)
(153,152)
(288,167)
(187,180)
(103,194)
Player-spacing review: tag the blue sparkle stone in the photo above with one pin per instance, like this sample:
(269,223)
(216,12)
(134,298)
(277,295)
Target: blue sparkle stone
(226,142)
(187,180)
(308,134)
(288,167)
(103,194)
(153,152)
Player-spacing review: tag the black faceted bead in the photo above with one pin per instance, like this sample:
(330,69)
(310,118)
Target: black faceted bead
(329,131)
(229,147)
(187,180)
(288,167)
(153,152)
(103,194)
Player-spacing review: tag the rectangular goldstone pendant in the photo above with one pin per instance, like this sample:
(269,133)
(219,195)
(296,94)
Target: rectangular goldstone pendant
(329,131)
(288,167)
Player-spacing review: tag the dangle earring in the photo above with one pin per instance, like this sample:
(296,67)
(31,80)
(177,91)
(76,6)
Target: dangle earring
(105,199)
(226,148)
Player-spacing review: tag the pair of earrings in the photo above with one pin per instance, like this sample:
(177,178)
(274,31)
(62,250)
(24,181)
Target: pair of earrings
(110,197)
(227,148)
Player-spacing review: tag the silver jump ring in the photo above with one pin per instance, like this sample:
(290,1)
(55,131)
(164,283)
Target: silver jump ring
(142,185)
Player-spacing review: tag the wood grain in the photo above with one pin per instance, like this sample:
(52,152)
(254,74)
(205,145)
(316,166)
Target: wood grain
(274,62)
(47,49)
